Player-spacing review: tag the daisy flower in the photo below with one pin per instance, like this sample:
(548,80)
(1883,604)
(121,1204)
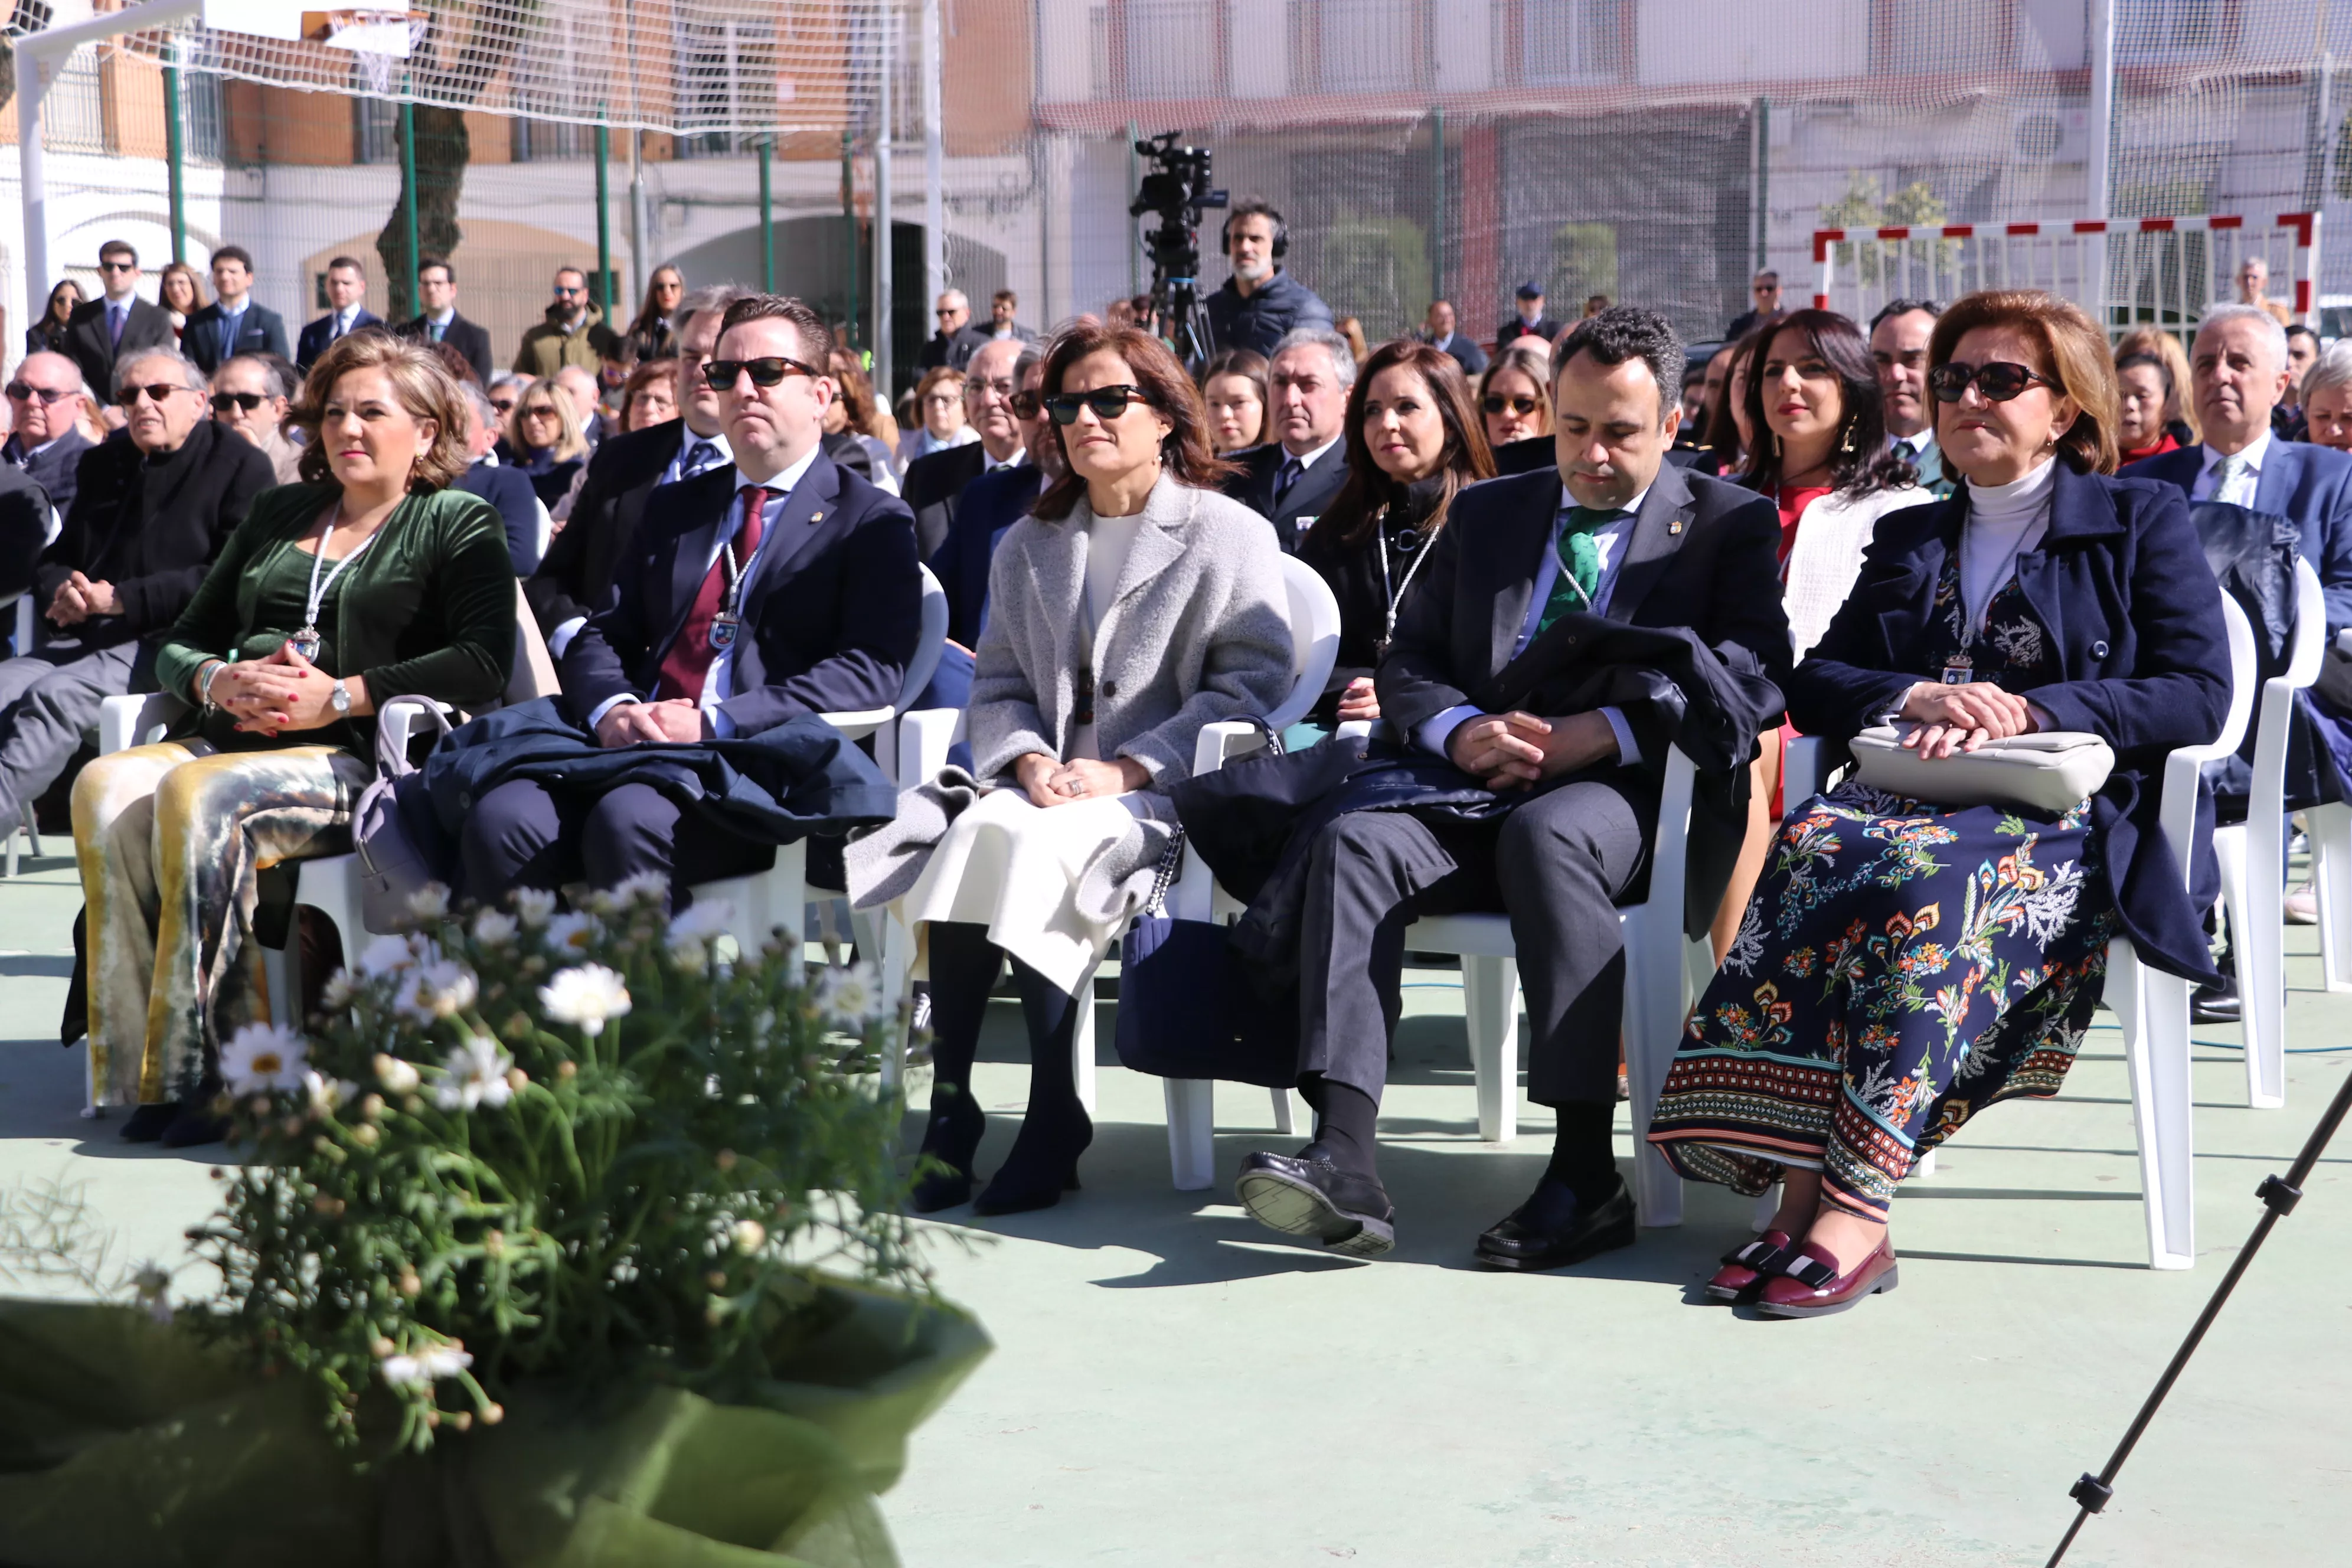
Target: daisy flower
(386,955)
(426,1367)
(569,933)
(396,1076)
(534,905)
(437,989)
(263,1057)
(851,995)
(494,927)
(650,888)
(430,902)
(476,1075)
(587,995)
(327,1094)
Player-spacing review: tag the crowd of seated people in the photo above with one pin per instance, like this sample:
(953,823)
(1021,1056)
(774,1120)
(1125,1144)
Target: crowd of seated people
(1921,517)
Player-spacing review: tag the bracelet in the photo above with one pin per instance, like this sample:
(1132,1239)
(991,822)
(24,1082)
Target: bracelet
(205,690)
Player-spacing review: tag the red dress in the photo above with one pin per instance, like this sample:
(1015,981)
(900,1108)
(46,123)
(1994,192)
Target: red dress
(1793,504)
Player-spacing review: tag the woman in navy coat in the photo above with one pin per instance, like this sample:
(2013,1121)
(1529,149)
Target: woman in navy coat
(1904,963)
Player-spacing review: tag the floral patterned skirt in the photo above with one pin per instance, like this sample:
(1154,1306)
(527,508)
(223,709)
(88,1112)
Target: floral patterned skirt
(1901,965)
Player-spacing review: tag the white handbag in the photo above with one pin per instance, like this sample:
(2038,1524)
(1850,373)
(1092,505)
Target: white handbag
(2052,772)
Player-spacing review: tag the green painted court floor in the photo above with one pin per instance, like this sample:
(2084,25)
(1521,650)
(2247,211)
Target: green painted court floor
(1173,1385)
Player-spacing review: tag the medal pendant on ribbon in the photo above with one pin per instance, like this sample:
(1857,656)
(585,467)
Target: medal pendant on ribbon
(1958,674)
(307,642)
(722,632)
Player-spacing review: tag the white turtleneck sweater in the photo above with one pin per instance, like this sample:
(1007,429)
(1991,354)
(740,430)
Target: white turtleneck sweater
(2004,522)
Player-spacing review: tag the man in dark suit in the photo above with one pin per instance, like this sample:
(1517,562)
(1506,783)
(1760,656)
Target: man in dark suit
(233,324)
(575,579)
(1614,537)
(436,287)
(934,485)
(102,333)
(778,586)
(347,311)
(1530,321)
(1293,478)
(152,512)
(45,441)
(1438,331)
(507,490)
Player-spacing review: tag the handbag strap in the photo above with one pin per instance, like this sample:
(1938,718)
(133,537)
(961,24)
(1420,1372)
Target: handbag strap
(1164,877)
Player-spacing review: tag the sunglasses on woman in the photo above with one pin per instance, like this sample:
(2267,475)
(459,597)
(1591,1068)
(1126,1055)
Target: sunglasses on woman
(1999,380)
(767,370)
(1107,402)
(540,411)
(1495,403)
(1026,404)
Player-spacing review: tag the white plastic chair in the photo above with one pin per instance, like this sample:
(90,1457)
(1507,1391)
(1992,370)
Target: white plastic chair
(2331,875)
(2151,1006)
(2252,855)
(24,825)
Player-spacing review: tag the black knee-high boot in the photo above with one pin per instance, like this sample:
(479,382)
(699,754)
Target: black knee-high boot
(965,967)
(1044,1162)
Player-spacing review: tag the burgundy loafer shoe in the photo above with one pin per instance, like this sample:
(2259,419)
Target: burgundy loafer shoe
(1744,1267)
(1809,1286)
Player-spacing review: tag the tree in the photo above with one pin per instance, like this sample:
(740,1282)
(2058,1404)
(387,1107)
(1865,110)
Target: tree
(1915,206)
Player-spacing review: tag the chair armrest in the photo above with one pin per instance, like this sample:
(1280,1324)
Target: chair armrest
(1802,771)
(857,725)
(127,721)
(1221,742)
(924,737)
(396,720)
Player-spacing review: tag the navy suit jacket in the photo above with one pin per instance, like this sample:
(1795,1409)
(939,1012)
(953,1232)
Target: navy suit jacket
(470,339)
(991,503)
(1309,498)
(509,489)
(259,330)
(2120,583)
(2311,487)
(316,336)
(831,614)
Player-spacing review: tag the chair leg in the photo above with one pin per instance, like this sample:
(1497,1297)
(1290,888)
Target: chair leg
(1768,1204)
(2153,1008)
(1490,1010)
(1191,1132)
(2260,885)
(1656,998)
(1290,1112)
(1082,1042)
(32,828)
(885,944)
(2331,875)
(1924,1166)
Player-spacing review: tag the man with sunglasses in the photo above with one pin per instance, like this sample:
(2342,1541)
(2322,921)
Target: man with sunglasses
(151,513)
(1438,329)
(345,287)
(102,334)
(1293,478)
(935,485)
(250,394)
(778,586)
(575,579)
(957,339)
(44,439)
(1764,305)
(573,334)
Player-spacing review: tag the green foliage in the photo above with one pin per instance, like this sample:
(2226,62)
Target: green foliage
(1583,263)
(576,1145)
(1376,271)
(1917,205)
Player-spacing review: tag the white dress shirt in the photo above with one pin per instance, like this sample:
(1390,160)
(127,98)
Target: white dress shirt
(2243,484)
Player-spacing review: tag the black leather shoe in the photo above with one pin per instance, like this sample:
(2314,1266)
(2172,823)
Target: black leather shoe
(1298,1194)
(193,1126)
(147,1123)
(2216,1004)
(1551,1229)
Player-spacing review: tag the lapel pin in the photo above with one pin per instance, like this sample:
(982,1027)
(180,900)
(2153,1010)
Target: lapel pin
(815,518)
(1675,526)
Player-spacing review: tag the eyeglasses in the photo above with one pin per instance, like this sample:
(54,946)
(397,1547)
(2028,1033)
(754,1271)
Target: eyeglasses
(769,369)
(1999,380)
(1495,403)
(118,266)
(945,311)
(1107,402)
(155,391)
(539,411)
(567,290)
(503,404)
(1028,404)
(50,395)
(224,400)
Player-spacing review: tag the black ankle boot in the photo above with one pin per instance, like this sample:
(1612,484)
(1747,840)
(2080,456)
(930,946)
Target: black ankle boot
(147,1123)
(951,1139)
(1044,1163)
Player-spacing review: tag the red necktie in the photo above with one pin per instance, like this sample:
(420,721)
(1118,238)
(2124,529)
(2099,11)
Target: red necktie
(687,666)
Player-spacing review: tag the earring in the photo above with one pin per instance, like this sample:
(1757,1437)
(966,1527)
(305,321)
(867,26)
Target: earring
(1847,447)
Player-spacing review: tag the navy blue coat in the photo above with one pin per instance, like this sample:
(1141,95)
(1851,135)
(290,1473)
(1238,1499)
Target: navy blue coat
(2120,583)
(259,330)
(509,489)
(832,610)
(990,504)
(318,334)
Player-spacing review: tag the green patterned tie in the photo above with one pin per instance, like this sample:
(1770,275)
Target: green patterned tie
(1579,563)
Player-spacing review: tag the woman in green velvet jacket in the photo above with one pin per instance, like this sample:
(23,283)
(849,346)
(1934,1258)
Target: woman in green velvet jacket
(371,580)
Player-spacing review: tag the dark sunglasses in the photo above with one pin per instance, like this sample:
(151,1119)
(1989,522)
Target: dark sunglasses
(1495,403)
(1028,404)
(1107,402)
(155,391)
(50,395)
(224,400)
(767,370)
(503,404)
(118,266)
(1999,380)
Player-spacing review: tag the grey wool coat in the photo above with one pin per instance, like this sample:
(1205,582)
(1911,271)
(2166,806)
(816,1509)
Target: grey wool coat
(1196,632)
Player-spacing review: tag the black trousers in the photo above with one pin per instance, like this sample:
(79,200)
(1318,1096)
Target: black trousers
(523,835)
(1556,867)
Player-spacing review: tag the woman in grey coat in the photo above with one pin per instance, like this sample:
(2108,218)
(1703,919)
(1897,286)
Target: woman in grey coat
(1134,606)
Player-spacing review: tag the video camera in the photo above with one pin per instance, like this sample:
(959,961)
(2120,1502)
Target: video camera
(1177,190)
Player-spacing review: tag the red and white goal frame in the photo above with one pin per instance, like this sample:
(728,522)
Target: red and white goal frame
(2174,268)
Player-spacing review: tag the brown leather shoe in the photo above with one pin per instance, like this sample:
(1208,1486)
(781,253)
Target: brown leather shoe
(1745,1267)
(1809,1286)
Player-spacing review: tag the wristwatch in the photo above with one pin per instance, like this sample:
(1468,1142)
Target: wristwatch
(341,699)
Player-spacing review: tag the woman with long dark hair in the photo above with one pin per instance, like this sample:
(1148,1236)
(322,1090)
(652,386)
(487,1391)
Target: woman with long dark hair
(1730,432)
(651,336)
(1233,383)
(1414,439)
(47,335)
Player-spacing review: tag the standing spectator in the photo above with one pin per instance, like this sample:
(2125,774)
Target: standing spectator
(649,397)
(544,435)
(652,335)
(1412,443)
(47,335)
(347,312)
(2144,383)
(939,406)
(2302,353)
(1352,330)
(521,514)
(1764,296)
(250,395)
(233,324)
(439,323)
(855,432)
(177,290)
(117,323)
(1898,346)
(957,340)
(1292,479)
(1261,302)
(573,335)
(1002,305)
(46,402)
(934,485)
(1437,331)
(1593,305)
(2254,288)
(1515,394)
(1531,320)
(2327,399)
(1232,383)
(2179,412)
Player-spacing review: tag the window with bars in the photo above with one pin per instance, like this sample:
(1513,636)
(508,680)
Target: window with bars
(202,116)
(541,141)
(726,76)
(375,130)
(1937,38)
(1158,49)
(2162,28)
(1562,43)
(1360,46)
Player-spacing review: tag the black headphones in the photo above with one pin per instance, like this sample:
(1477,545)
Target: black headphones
(1281,232)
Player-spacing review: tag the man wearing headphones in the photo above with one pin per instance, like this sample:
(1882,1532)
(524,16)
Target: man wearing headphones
(1260,302)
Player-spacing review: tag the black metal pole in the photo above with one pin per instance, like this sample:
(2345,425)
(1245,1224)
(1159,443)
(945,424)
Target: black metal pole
(2279,1196)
